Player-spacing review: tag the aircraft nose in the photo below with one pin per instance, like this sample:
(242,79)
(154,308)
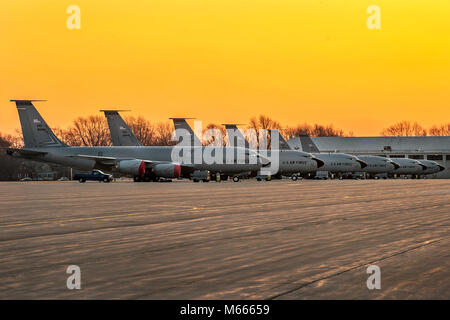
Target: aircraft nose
(320,163)
(362,163)
(395,164)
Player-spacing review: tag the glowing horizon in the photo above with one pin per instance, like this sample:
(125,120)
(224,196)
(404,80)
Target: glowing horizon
(227,61)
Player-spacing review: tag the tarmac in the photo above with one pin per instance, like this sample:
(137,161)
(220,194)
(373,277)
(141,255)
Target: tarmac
(246,240)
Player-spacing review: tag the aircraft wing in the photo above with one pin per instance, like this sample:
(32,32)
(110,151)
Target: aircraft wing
(112,161)
(108,161)
(24,152)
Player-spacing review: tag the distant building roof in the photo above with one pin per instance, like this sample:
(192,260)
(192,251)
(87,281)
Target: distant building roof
(379,145)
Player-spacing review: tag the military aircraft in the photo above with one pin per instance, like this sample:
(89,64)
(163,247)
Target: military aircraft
(409,167)
(181,126)
(291,162)
(339,163)
(377,165)
(432,167)
(288,163)
(122,135)
(144,163)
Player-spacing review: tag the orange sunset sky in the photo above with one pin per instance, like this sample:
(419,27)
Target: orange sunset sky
(227,60)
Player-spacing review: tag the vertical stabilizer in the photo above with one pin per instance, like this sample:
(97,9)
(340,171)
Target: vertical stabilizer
(307,144)
(181,123)
(235,136)
(121,134)
(36,133)
(282,143)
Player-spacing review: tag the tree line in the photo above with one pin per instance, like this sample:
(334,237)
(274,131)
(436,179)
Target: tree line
(93,131)
(409,129)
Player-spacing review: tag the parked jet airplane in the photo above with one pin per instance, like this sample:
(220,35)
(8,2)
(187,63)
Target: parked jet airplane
(144,163)
(181,125)
(377,165)
(291,162)
(409,167)
(417,167)
(339,163)
(122,135)
(432,167)
(402,166)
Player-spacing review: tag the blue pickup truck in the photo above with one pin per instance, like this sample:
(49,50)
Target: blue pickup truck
(95,175)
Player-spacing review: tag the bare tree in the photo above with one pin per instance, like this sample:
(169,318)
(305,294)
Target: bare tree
(326,131)
(88,131)
(207,140)
(404,129)
(442,130)
(299,130)
(13,141)
(315,130)
(262,122)
(4,142)
(164,132)
(10,167)
(142,129)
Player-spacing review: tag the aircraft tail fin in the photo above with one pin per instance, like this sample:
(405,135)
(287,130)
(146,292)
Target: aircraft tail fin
(36,133)
(235,136)
(307,144)
(282,143)
(181,123)
(121,134)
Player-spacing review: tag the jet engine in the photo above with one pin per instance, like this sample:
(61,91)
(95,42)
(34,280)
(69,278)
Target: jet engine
(167,170)
(133,167)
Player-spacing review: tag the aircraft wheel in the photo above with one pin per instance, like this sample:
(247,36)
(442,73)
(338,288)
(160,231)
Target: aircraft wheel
(236,179)
(294,178)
